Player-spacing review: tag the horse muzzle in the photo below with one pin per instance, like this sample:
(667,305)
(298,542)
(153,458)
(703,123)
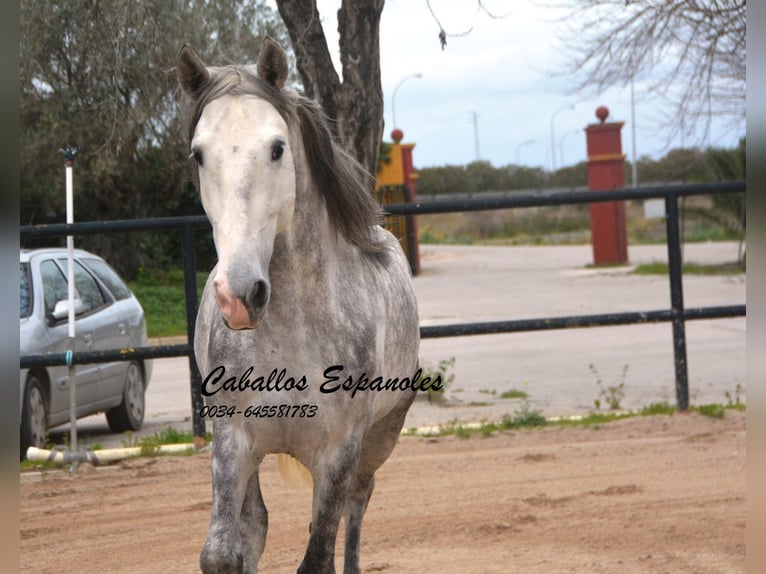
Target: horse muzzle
(242,311)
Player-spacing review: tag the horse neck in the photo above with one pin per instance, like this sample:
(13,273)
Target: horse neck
(306,257)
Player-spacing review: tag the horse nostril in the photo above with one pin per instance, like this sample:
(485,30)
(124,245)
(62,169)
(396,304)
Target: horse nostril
(258,295)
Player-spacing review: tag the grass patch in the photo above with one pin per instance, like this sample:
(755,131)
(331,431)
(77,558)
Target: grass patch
(447,378)
(162,296)
(592,419)
(653,409)
(525,417)
(712,410)
(514,394)
(562,225)
(150,444)
(659,268)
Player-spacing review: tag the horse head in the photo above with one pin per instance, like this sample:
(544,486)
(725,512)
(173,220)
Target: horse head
(240,148)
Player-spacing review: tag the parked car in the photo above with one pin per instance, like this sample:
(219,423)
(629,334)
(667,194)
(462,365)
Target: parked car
(107,316)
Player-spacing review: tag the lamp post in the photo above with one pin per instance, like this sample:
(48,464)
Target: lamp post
(516,154)
(69,153)
(634,167)
(553,134)
(561,143)
(393,96)
(475,121)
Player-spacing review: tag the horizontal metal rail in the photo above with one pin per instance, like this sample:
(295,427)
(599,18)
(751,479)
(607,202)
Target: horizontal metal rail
(113,226)
(426,332)
(576,321)
(677,314)
(85,357)
(543,199)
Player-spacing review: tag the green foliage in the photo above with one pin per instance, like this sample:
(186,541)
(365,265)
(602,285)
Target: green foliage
(447,378)
(680,165)
(384,155)
(162,295)
(525,416)
(150,444)
(478,176)
(733,401)
(611,395)
(593,419)
(663,408)
(660,268)
(100,75)
(513,394)
(530,226)
(712,410)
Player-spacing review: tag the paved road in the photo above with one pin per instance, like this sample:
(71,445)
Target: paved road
(559,370)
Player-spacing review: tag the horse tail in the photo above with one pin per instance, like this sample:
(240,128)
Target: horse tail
(293,472)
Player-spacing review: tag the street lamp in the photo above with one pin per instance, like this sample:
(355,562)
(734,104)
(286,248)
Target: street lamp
(518,149)
(561,143)
(553,136)
(634,166)
(393,97)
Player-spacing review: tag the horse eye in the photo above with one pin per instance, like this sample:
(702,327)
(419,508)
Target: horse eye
(196,155)
(277,150)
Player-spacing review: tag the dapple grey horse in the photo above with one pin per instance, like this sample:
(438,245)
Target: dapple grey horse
(307,333)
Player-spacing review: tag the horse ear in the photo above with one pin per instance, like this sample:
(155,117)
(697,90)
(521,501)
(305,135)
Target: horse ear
(272,64)
(192,73)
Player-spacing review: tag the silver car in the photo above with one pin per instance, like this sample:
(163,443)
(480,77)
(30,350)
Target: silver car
(107,316)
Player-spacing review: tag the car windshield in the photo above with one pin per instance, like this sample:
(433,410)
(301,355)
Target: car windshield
(25,292)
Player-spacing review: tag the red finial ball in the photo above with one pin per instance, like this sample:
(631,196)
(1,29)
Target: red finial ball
(602,112)
(397,135)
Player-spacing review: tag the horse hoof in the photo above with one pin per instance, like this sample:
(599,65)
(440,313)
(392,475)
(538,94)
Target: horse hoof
(220,563)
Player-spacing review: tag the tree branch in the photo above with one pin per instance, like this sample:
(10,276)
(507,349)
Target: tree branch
(693,50)
(312,56)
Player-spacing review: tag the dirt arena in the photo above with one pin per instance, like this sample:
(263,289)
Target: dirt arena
(652,494)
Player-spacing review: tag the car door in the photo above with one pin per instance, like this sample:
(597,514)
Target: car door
(109,328)
(55,289)
(117,331)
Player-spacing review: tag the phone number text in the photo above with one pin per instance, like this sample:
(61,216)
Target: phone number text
(259,411)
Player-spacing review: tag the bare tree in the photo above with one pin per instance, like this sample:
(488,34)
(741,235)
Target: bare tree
(691,52)
(356,103)
(443,34)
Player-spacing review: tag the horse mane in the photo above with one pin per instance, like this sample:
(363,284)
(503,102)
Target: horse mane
(344,185)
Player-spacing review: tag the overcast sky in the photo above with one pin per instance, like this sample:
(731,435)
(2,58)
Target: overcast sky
(501,72)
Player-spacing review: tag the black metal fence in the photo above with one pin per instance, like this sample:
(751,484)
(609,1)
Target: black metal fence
(676,314)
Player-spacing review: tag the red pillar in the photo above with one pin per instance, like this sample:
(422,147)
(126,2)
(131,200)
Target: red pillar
(605,172)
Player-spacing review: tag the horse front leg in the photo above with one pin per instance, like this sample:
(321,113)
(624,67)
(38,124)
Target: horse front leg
(254,524)
(356,506)
(233,464)
(332,482)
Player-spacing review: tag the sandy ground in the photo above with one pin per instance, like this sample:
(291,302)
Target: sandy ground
(653,494)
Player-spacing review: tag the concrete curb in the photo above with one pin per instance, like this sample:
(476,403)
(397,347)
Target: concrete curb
(173,340)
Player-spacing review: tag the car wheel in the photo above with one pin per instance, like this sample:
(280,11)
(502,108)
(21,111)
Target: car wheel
(129,415)
(34,421)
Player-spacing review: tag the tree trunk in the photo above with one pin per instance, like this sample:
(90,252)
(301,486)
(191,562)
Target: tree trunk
(356,103)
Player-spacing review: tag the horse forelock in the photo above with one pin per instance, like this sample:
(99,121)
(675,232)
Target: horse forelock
(343,183)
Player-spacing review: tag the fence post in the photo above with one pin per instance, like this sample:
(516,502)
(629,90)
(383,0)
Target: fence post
(677,300)
(190,292)
(399,172)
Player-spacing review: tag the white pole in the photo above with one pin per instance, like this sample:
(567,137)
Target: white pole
(475,120)
(634,167)
(553,134)
(393,97)
(69,154)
